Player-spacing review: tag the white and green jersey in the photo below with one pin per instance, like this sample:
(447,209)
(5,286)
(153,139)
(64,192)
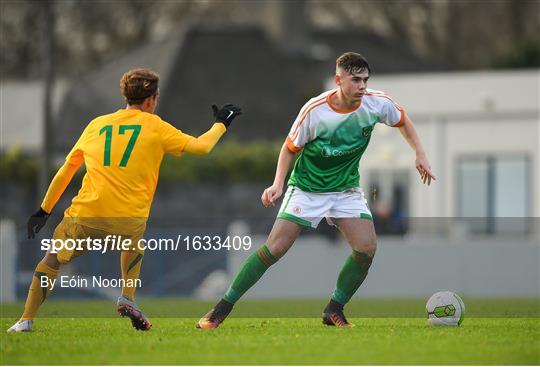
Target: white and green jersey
(332,141)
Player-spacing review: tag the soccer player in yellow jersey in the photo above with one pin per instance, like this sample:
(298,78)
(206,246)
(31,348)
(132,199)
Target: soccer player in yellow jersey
(122,152)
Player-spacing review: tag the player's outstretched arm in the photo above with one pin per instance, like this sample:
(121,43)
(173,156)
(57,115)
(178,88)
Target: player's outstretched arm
(57,187)
(422,164)
(271,194)
(206,142)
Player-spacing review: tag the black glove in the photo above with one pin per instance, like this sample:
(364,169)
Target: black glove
(226,113)
(36,222)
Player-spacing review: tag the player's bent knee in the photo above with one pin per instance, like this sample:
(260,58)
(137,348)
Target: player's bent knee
(279,247)
(51,260)
(63,258)
(277,251)
(369,247)
(138,250)
(282,237)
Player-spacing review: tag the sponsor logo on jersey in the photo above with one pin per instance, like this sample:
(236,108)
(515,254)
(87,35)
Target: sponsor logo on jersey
(328,151)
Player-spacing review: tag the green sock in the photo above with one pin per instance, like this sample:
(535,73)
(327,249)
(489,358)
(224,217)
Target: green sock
(352,275)
(251,272)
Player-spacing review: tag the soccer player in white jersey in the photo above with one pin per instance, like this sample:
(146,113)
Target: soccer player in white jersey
(331,132)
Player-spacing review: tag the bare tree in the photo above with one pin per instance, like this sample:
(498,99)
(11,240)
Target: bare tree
(464,33)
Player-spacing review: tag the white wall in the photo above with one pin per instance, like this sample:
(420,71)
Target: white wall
(412,268)
(21,113)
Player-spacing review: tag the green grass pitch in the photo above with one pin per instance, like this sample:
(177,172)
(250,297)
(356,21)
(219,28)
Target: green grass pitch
(495,332)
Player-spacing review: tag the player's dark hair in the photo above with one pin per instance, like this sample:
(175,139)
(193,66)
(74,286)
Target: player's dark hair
(352,62)
(138,84)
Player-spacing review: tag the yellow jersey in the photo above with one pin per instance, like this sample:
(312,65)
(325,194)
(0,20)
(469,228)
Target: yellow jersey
(123,153)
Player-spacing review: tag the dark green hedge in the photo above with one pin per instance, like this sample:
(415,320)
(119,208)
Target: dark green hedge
(230,161)
(18,167)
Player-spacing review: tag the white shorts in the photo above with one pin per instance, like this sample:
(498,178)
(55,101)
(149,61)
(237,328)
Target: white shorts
(308,208)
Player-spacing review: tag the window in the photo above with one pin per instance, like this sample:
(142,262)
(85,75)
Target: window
(388,200)
(493,194)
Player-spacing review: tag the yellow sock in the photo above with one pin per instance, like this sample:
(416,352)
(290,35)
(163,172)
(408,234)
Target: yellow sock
(131,262)
(37,294)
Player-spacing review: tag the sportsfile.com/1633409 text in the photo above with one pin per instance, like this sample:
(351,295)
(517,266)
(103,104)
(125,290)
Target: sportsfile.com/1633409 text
(120,243)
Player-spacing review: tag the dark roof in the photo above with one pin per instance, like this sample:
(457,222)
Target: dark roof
(240,66)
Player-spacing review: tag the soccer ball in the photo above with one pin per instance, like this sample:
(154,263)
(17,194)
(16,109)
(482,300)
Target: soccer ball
(445,309)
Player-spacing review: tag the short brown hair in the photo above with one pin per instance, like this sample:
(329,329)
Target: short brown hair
(138,84)
(352,62)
